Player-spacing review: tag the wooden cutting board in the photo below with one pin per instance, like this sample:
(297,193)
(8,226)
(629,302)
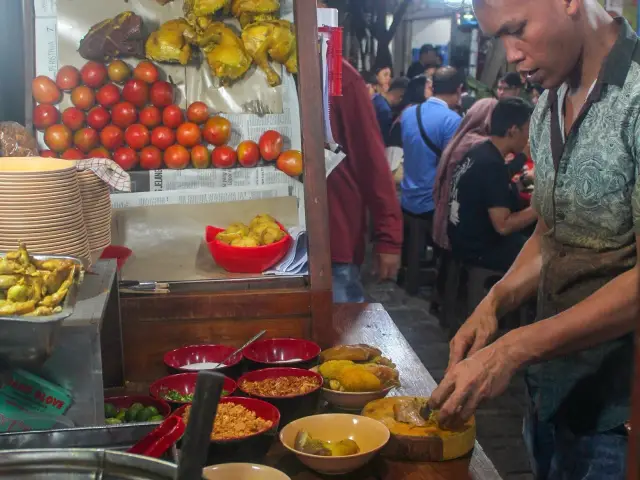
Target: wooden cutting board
(420,444)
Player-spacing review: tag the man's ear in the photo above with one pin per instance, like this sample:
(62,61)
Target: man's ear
(513,131)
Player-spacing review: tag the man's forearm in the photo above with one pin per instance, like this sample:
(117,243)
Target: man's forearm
(520,283)
(519,220)
(609,313)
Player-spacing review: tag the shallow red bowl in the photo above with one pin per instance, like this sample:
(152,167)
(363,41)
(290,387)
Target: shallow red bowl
(261,408)
(246,259)
(282,352)
(184,383)
(178,358)
(259,375)
(126,401)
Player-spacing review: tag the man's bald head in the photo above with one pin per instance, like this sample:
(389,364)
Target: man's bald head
(447,81)
(544,38)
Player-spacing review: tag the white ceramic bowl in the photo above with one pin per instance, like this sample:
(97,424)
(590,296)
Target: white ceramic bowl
(243,471)
(351,401)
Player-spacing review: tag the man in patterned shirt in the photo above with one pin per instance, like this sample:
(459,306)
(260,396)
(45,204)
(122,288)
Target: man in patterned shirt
(581,261)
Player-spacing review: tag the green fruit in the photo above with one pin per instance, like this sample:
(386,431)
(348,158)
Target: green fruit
(112,421)
(134,409)
(144,415)
(110,411)
(153,410)
(122,414)
(156,418)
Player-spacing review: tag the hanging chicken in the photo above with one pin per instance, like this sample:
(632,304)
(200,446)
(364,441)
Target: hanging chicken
(249,11)
(223,50)
(168,43)
(275,40)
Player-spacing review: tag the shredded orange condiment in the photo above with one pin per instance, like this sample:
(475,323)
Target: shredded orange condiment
(281,386)
(234,421)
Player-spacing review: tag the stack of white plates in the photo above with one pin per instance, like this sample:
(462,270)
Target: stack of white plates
(41,205)
(96,205)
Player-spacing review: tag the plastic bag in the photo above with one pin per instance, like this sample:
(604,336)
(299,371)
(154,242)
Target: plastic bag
(17,141)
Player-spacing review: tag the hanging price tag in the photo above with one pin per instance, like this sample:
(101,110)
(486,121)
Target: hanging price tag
(47,46)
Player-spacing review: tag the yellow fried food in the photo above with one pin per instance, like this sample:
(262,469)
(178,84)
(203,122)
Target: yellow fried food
(169,43)
(240,228)
(389,377)
(227,237)
(331,369)
(262,218)
(356,353)
(271,40)
(245,242)
(201,8)
(357,379)
(8,281)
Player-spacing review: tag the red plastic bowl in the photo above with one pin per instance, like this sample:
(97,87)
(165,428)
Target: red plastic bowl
(120,254)
(281,352)
(258,375)
(246,259)
(262,410)
(178,358)
(184,383)
(126,401)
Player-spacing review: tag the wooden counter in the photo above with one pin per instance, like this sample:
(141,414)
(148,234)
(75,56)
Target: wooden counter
(371,324)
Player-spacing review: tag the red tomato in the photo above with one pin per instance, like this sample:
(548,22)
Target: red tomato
(118,71)
(98,118)
(161,94)
(223,157)
(68,78)
(248,153)
(217,131)
(73,118)
(111,137)
(189,135)
(58,138)
(44,116)
(83,97)
(99,152)
(93,74)
(137,136)
(151,158)
(108,95)
(271,144)
(200,156)
(126,157)
(172,116)
(150,116)
(290,162)
(123,114)
(146,72)
(44,90)
(72,154)
(48,154)
(86,139)
(198,113)
(176,157)
(163,137)
(136,92)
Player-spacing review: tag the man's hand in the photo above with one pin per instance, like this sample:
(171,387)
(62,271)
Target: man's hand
(386,266)
(475,333)
(485,374)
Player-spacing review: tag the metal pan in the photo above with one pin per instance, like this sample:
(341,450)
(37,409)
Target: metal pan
(29,341)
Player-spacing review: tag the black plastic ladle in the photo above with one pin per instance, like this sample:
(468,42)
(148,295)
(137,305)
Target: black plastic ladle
(197,438)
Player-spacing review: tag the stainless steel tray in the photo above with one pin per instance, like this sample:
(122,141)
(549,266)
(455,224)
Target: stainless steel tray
(29,341)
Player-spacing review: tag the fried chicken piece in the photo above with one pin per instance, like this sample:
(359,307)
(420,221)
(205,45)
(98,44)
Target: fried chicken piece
(224,51)
(356,353)
(275,40)
(201,8)
(169,43)
(249,11)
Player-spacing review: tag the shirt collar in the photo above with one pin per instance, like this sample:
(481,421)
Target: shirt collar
(438,101)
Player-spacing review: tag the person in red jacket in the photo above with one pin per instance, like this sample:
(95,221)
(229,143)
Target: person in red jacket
(362,181)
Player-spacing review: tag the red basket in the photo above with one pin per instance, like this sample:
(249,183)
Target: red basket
(246,259)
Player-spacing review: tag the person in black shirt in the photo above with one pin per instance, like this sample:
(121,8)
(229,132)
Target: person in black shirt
(385,103)
(485,220)
(428,59)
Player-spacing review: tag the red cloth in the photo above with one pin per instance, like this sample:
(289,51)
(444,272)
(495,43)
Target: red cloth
(363,180)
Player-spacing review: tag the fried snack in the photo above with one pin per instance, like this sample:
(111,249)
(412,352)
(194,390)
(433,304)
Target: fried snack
(271,40)
(356,353)
(249,11)
(331,369)
(33,287)
(281,386)
(262,230)
(169,43)
(349,376)
(202,8)
(234,421)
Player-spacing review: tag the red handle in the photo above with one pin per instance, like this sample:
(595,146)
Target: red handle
(161,439)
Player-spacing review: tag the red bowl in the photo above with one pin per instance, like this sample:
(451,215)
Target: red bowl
(262,410)
(282,352)
(246,259)
(180,357)
(126,401)
(120,254)
(185,383)
(258,375)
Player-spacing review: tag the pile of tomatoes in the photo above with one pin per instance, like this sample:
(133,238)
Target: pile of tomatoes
(137,124)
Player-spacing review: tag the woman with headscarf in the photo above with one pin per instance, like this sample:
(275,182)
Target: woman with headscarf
(473,131)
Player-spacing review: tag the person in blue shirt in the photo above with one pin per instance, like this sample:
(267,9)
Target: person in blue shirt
(384,104)
(426,130)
